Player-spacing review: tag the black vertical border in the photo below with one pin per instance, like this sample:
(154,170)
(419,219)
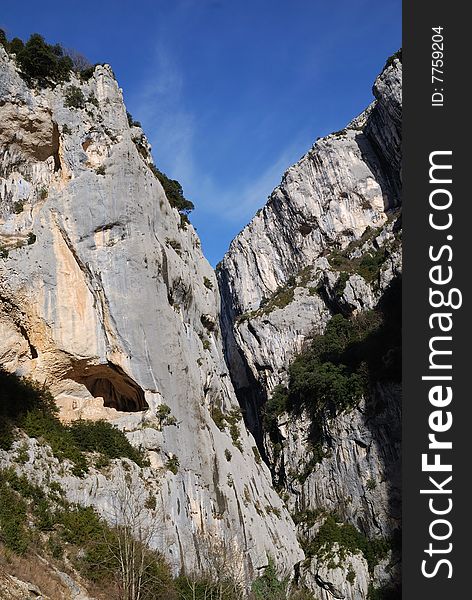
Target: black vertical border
(426,129)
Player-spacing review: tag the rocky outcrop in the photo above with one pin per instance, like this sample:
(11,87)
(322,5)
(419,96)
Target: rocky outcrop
(105,296)
(328,241)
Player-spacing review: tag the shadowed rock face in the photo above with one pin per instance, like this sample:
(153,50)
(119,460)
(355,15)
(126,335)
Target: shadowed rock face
(104,295)
(299,261)
(112,384)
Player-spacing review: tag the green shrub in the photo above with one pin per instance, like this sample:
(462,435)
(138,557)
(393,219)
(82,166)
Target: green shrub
(13,518)
(228,454)
(18,207)
(340,285)
(383,593)
(173,191)
(275,406)
(281,298)
(339,366)
(4,39)
(74,97)
(22,455)
(20,499)
(351,575)
(47,427)
(368,265)
(184,222)
(80,525)
(205,587)
(102,437)
(31,407)
(173,464)
(233,418)
(268,586)
(371,484)
(92,100)
(87,73)
(307,517)
(31,238)
(45,64)
(206,344)
(94,549)
(257,455)
(163,415)
(391,59)
(207,283)
(42,62)
(131,121)
(19,397)
(16,46)
(349,540)
(218,417)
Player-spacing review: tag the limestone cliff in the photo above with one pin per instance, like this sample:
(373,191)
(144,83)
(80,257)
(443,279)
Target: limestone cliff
(105,296)
(327,242)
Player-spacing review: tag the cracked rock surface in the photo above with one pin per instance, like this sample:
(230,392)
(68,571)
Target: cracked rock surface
(298,262)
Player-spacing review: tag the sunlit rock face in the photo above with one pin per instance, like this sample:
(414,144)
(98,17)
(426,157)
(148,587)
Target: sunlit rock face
(300,260)
(105,296)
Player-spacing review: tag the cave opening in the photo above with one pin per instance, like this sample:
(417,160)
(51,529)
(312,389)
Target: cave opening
(110,382)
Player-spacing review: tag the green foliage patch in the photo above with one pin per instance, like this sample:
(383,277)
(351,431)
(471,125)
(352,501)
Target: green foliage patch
(173,191)
(281,298)
(42,64)
(13,518)
(28,406)
(74,97)
(349,540)
(102,437)
(383,593)
(339,366)
(268,585)
(93,547)
(368,265)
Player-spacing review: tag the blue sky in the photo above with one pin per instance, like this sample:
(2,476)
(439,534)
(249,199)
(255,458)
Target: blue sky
(229,92)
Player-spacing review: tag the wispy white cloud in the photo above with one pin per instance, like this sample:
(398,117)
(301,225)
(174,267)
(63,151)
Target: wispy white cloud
(237,204)
(159,104)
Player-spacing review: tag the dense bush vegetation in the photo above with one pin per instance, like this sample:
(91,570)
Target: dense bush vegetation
(102,437)
(268,585)
(338,367)
(174,192)
(36,521)
(30,407)
(18,398)
(77,534)
(13,523)
(348,540)
(74,97)
(383,593)
(45,64)
(368,264)
(131,121)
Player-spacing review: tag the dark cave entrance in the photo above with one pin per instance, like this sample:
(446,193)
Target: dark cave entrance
(111,383)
